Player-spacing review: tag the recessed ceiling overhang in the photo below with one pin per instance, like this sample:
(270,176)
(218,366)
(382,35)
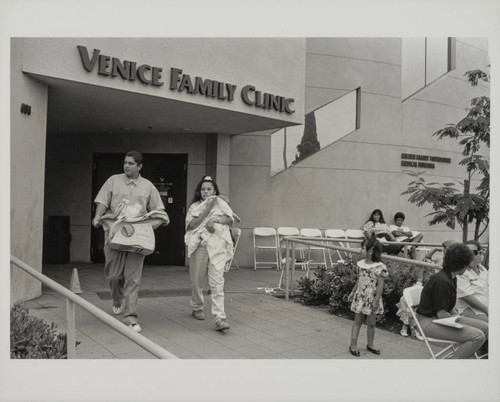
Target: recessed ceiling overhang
(75,107)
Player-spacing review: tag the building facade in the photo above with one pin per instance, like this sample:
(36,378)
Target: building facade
(233,108)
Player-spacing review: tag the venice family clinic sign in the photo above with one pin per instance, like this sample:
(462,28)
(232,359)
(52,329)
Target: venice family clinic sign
(181,82)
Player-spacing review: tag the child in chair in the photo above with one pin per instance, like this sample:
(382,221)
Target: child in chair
(404,314)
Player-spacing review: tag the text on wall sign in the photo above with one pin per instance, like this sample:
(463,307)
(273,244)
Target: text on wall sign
(181,82)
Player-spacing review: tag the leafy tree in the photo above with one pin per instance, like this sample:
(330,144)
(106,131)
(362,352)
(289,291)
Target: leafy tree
(309,143)
(451,205)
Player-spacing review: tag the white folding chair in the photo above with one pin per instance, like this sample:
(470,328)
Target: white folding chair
(265,242)
(235,233)
(412,299)
(336,234)
(485,255)
(321,259)
(283,232)
(354,234)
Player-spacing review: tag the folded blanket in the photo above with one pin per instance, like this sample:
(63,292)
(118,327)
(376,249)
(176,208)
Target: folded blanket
(110,221)
(220,243)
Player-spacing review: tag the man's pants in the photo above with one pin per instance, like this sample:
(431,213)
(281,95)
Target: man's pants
(199,267)
(124,270)
(471,337)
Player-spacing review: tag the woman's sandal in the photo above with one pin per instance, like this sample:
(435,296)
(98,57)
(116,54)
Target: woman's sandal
(354,352)
(374,351)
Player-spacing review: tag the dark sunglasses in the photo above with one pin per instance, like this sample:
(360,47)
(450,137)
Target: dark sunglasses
(475,252)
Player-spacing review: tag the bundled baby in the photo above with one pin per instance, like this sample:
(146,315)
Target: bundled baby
(219,243)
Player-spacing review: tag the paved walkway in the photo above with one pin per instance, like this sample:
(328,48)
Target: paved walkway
(262,326)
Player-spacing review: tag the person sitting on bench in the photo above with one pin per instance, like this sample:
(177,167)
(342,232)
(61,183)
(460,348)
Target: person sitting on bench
(403,233)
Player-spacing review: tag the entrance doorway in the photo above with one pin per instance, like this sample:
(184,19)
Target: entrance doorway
(168,172)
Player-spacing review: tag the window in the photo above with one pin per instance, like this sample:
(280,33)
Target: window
(321,128)
(424,60)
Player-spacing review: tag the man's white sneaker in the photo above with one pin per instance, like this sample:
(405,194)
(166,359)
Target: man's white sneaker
(136,327)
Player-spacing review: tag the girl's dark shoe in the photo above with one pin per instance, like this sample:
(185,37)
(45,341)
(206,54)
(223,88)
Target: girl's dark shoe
(221,325)
(354,352)
(374,351)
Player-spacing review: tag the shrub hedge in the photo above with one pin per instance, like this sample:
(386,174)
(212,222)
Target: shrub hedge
(331,286)
(33,338)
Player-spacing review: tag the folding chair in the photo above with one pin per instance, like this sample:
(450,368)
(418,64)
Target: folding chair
(307,232)
(412,299)
(283,232)
(355,234)
(335,234)
(485,261)
(235,233)
(265,241)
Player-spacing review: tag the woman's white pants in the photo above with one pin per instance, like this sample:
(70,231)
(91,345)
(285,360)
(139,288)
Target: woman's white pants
(199,267)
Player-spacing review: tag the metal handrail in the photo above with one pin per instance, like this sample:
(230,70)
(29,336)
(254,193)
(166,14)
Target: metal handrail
(72,299)
(316,241)
(406,244)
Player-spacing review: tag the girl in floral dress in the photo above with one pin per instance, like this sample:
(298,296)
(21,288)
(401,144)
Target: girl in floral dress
(367,294)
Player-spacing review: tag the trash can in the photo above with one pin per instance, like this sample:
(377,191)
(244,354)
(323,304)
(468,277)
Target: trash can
(57,239)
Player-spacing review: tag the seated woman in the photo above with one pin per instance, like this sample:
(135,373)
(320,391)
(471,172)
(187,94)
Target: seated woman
(472,287)
(376,224)
(438,300)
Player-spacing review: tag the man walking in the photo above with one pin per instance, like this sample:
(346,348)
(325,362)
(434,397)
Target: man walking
(127,195)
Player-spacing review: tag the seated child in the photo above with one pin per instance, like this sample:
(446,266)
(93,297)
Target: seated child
(404,311)
(409,327)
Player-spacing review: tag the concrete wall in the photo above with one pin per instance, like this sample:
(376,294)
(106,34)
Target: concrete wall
(433,108)
(27,164)
(218,152)
(340,185)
